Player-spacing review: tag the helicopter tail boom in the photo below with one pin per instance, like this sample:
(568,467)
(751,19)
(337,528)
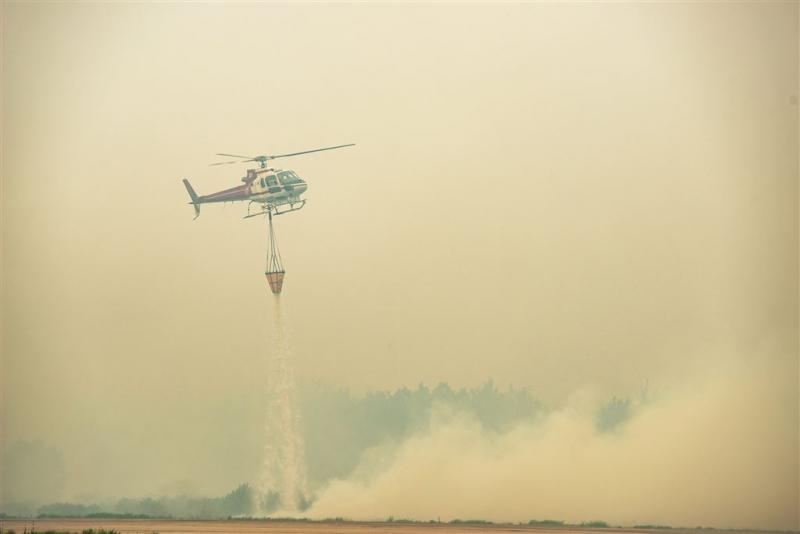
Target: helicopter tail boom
(195,199)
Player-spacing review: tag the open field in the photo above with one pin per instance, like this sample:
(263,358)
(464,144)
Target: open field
(146,526)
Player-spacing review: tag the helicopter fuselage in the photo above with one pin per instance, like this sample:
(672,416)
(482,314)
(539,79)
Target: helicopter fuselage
(269,187)
(274,186)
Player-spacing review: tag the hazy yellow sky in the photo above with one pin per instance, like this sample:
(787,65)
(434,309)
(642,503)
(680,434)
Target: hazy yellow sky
(560,196)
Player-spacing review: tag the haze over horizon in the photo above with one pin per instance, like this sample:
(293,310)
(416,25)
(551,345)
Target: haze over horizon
(577,199)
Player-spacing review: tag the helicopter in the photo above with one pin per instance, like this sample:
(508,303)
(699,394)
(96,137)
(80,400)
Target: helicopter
(275,191)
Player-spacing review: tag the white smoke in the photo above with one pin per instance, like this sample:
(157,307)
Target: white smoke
(719,449)
(283,484)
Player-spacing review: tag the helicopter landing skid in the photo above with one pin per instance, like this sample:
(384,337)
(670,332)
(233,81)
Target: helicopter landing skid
(274,210)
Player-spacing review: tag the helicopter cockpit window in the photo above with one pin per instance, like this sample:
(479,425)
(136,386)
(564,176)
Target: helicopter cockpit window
(263,183)
(288,177)
(271,181)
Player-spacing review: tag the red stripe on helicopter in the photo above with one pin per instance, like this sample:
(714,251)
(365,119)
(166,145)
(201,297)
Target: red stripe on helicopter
(240,192)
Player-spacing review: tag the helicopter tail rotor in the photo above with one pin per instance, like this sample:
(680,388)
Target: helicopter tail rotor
(195,199)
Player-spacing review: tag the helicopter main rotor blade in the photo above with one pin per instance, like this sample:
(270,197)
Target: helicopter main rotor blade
(263,159)
(309,151)
(249,158)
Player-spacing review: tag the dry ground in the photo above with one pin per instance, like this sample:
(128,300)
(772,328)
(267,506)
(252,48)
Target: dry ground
(145,526)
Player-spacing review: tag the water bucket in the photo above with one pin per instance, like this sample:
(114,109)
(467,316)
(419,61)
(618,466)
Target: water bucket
(275,280)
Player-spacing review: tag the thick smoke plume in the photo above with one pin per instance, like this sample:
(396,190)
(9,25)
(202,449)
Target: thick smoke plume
(720,450)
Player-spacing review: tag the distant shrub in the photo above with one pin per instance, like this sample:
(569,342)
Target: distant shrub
(613,413)
(546,522)
(113,515)
(62,509)
(595,524)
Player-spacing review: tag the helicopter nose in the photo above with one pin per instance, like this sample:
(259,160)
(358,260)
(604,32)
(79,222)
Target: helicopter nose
(301,188)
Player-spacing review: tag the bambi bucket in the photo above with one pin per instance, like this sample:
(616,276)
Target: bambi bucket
(275,280)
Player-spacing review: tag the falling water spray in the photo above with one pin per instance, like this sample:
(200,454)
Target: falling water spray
(283,476)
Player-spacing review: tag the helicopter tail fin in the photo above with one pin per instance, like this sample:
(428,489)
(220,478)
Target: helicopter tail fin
(195,199)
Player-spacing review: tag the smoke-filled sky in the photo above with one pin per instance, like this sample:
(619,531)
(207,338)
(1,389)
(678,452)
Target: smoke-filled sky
(582,197)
